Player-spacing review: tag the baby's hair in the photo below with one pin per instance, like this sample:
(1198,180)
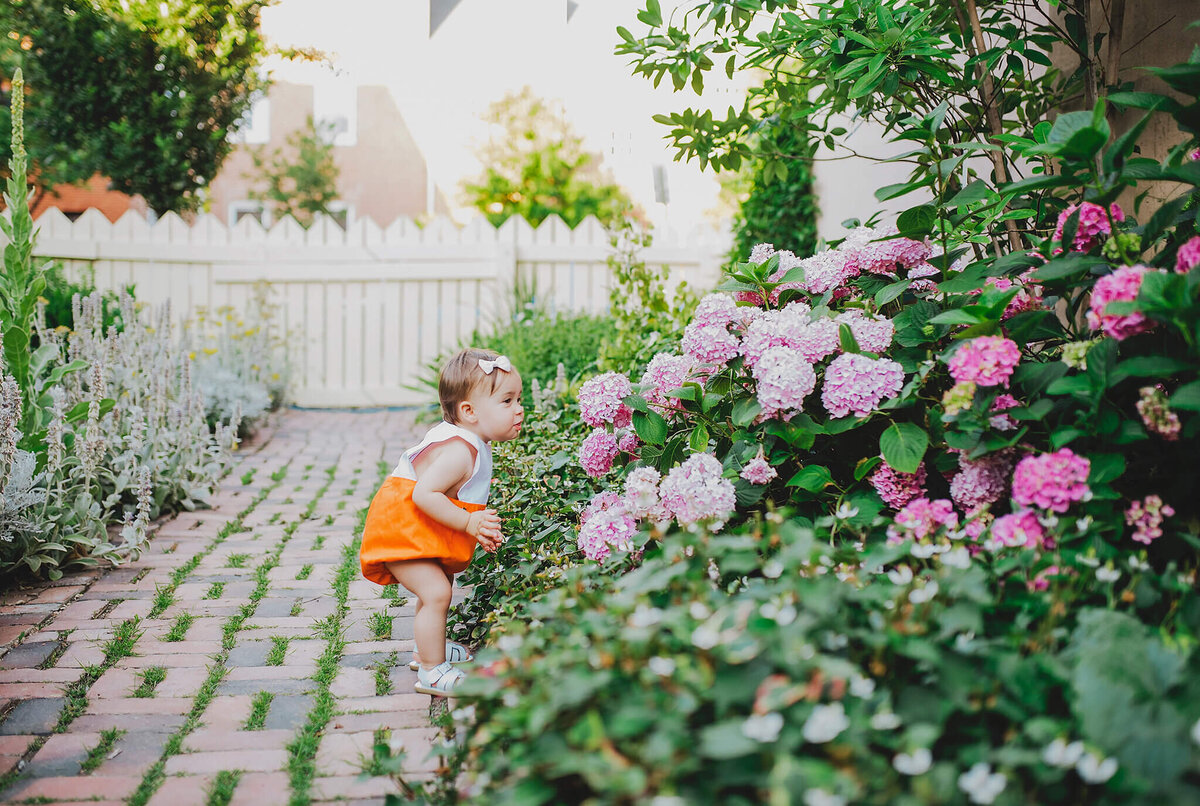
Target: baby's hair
(460,376)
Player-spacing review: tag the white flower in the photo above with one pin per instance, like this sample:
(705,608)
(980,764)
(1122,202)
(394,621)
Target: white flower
(1108,574)
(509,643)
(704,637)
(981,784)
(1093,770)
(1089,561)
(862,687)
(925,594)
(786,615)
(825,723)
(957,558)
(923,551)
(819,797)
(885,720)
(645,616)
(663,667)
(964,641)
(699,611)
(1083,524)
(510,699)
(773,569)
(918,763)
(845,511)
(901,575)
(465,713)
(668,800)
(1138,564)
(1060,754)
(764,727)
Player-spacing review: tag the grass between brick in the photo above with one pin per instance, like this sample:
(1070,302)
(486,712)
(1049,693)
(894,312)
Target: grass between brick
(154,777)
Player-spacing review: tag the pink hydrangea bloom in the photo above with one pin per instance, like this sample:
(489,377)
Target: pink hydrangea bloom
(761,253)
(1120,286)
(1146,517)
(1028,298)
(1020,529)
(758,471)
(608,529)
(629,442)
(999,420)
(717,310)
(1051,480)
(1041,582)
(597,452)
(784,380)
(826,271)
(695,492)
(641,493)
(986,360)
(709,344)
(600,502)
(787,262)
(600,400)
(922,518)
(896,488)
(1195,155)
(664,373)
(873,333)
(858,384)
(1093,222)
(792,327)
(1156,413)
(1188,256)
(981,481)
(879,251)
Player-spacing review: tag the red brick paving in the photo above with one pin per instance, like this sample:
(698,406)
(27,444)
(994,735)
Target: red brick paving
(82,610)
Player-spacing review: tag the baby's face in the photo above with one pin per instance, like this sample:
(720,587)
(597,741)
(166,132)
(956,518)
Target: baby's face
(498,412)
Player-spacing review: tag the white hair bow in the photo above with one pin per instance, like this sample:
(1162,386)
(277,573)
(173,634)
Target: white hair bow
(501,362)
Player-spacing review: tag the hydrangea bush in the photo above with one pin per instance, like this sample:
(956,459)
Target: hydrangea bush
(898,522)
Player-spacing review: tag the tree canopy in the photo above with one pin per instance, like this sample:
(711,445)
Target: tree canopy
(143,92)
(539,168)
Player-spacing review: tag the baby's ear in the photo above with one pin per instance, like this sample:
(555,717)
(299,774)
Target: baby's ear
(466,411)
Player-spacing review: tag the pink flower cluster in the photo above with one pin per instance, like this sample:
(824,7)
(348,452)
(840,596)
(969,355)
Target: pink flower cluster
(696,492)
(761,253)
(1120,286)
(999,420)
(600,400)
(1146,517)
(709,344)
(1156,414)
(873,333)
(896,488)
(758,471)
(1028,298)
(784,379)
(597,452)
(856,383)
(980,482)
(1051,480)
(1020,529)
(629,443)
(664,373)
(880,251)
(986,360)
(827,270)
(791,327)
(922,518)
(1093,222)
(1188,256)
(608,528)
(641,494)
(718,310)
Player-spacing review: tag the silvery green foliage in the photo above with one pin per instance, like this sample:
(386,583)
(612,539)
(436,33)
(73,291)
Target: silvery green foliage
(225,390)
(20,490)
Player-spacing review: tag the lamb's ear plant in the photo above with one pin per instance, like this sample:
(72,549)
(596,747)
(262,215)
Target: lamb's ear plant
(21,285)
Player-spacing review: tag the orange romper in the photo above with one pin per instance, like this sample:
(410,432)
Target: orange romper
(396,529)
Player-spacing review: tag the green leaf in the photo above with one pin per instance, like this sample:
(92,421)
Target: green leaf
(745,410)
(917,222)
(651,428)
(698,440)
(976,191)
(848,342)
(813,478)
(1187,397)
(636,402)
(903,446)
(890,292)
(1149,366)
(865,466)
(1071,265)
(1105,467)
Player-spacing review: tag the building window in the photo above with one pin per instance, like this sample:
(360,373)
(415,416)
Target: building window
(335,106)
(254,128)
(252,209)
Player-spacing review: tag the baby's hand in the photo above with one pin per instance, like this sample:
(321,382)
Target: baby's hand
(484,526)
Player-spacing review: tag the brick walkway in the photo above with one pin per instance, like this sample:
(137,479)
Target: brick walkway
(240,680)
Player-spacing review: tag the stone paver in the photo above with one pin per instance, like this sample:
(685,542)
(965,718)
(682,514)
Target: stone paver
(50,633)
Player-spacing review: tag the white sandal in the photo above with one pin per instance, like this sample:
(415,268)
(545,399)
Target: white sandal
(440,681)
(456,653)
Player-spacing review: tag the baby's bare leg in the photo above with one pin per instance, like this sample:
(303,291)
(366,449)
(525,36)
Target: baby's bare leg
(427,580)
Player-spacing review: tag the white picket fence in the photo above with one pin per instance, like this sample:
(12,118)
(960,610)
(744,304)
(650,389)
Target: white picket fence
(370,305)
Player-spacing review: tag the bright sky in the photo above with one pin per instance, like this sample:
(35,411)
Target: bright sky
(485,48)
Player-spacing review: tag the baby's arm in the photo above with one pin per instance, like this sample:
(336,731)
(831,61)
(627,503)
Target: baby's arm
(448,466)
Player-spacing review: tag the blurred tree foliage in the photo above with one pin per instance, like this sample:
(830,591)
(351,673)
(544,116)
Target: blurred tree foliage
(538,167)
(140,91)
(301,179)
